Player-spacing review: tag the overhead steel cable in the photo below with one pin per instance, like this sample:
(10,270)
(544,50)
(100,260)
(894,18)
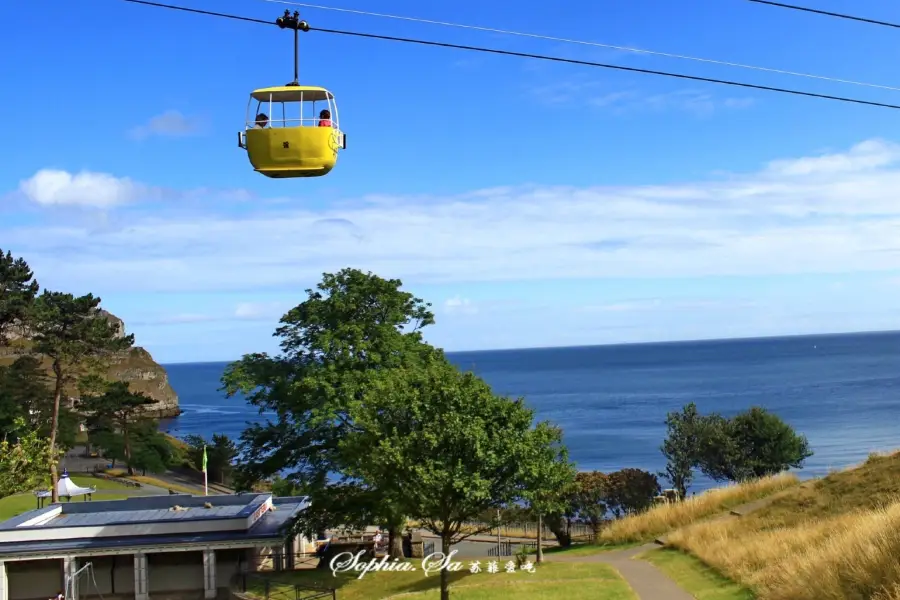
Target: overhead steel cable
(536,57)
(827,13)
(586,43)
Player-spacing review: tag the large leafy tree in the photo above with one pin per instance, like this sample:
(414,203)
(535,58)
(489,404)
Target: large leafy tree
(18,289)
(754,443)
(453,449)
(351,325)
(114,413)
(630,491)
(75,336)
(25,393)
(24,464)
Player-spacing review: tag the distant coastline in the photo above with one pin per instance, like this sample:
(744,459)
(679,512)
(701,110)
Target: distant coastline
(628,344)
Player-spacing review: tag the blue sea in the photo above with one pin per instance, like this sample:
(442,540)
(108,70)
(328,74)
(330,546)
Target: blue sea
(841,391)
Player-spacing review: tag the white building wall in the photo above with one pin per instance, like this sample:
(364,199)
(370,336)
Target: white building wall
(4,587)
(34,579)
(175,572)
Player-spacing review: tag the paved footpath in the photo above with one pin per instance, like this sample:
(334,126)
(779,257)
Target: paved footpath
(647,582)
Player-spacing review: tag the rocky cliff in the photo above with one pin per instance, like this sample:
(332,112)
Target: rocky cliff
(135,366)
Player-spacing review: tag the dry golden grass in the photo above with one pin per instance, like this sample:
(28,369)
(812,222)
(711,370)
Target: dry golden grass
(837,538)
(665,517)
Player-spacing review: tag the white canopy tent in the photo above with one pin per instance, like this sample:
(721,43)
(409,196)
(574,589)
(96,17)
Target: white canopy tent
(66,488)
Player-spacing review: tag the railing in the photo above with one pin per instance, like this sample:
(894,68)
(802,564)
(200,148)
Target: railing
(525,529)
(281,562)
(298,122)
(248,585)
(508,548)
(428,548)
(504,549)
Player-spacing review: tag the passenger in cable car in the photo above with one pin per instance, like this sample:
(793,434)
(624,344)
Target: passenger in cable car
(325,118)
(262,121)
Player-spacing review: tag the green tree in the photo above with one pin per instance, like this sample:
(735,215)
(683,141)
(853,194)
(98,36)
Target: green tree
(117,409)
(754,443)
(24,465)
(549,478)
(109,442)
(451,446)
(353,324)
(75,336)
(682,446)
(150,450)
(284,487)
(25,394)
(589,501)
(221,452)
(630,491)
(18,289)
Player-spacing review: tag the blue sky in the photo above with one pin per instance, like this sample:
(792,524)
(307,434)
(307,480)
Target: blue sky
(533,203)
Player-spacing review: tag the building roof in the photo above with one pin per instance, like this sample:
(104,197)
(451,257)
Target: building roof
(158,520)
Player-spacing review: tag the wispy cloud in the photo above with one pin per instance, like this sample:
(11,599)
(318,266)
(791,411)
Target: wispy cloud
(458,305)
(171,123)
(243,311)
(658,305)
(260,311)
(830,213)
(601,95)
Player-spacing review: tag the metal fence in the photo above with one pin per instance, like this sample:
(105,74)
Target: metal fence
(248,585)
(525,529)
(508,548)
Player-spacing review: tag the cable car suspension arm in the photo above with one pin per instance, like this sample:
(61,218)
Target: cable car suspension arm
(292,21)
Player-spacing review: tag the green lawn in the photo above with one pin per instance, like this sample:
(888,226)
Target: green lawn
(586,549)
(695,577)
(106,490)
(100,484)
(552,581)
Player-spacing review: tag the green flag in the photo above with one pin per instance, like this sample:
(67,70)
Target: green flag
(204,459)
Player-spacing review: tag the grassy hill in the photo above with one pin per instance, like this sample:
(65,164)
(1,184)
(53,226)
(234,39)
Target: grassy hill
(835,538)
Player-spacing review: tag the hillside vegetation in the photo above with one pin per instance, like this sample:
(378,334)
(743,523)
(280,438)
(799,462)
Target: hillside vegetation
(665,517)
(135,366)
(835,538)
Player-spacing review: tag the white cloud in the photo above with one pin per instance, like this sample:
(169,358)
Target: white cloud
(169,124)
(866,156)
(458,305)
(822,214)
(598,94)
(50,187)
(259,310)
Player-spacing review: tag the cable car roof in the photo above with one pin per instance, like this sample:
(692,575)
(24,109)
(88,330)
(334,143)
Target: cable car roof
(291,93)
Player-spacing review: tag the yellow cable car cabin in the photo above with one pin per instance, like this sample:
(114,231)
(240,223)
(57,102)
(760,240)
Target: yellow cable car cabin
(292,131)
